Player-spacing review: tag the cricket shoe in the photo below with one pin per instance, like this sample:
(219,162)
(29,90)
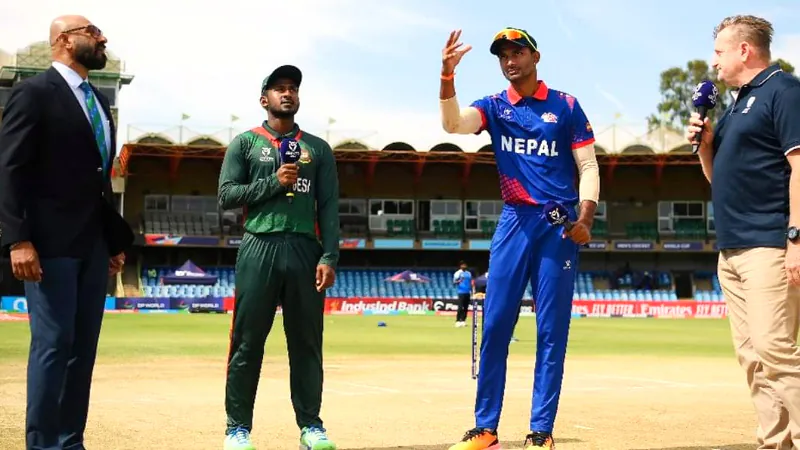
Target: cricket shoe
(478,439)
(539,440)
(238,439)
(315,438)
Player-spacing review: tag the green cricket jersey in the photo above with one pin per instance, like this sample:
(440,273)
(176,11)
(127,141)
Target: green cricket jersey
(249,179)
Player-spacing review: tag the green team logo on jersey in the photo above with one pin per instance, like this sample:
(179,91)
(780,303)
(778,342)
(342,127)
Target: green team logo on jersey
(305,156)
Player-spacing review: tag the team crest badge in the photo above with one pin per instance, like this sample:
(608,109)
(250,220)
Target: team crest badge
(750,102)
(549,117)
(305,157)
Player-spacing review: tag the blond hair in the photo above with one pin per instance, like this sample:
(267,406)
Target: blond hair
(751,29)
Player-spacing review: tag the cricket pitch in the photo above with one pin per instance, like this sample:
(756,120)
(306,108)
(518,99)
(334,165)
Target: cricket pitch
(422,403)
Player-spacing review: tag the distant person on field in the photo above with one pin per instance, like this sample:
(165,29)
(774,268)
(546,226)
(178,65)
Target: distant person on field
(646,283)
(465,285)
(516,321)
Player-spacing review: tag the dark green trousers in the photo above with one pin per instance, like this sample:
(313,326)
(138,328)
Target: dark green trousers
(274,270)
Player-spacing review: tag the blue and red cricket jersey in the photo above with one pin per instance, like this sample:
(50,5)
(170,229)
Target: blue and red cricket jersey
(533,140)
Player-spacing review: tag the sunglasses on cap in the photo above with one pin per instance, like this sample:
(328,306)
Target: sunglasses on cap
(515,35)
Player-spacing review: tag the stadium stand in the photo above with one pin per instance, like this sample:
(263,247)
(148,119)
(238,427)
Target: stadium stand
(151,285)
(707,288)
(355,283)
(184,224)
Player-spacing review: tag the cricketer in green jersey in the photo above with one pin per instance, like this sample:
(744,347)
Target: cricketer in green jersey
(281,260)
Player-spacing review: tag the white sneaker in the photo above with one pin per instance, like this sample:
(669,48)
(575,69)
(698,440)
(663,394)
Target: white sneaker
(238,439)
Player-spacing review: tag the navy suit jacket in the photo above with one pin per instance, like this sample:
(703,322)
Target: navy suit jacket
(54,191)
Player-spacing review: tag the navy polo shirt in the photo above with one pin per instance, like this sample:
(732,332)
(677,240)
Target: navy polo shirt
(750,177)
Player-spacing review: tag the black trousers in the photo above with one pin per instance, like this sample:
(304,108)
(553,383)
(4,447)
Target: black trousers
(65,312)
(519,310)
(463,306)
(276,270)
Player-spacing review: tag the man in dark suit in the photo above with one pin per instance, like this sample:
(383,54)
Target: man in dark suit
(64,237)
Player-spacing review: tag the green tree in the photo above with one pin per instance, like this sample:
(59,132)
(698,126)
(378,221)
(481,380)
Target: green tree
(677,86)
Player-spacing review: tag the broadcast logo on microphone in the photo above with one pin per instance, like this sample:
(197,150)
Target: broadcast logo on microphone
(704,99)
(556,214)
(290,154)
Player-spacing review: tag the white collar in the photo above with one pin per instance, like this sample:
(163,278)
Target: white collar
(72,77)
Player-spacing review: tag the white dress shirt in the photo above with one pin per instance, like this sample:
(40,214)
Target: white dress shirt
(74,81)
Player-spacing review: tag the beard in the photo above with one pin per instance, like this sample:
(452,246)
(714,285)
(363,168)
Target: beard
(282,113)
(93,57)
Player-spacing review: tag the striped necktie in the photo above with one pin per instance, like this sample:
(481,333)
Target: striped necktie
(97,122)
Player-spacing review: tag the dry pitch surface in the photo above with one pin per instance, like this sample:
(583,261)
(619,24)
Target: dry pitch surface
(423,403)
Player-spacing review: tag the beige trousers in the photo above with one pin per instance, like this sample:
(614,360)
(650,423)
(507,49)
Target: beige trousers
(764,313)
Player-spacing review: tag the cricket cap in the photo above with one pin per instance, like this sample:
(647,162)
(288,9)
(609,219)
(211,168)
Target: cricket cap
(287,71)
(515,36)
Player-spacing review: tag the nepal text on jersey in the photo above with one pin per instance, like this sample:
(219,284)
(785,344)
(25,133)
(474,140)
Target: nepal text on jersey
(528,146)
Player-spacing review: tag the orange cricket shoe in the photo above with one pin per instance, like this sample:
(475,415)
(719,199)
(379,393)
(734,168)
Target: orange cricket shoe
(539,440)
(478,439)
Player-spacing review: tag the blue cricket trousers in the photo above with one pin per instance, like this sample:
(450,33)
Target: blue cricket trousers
(526,248)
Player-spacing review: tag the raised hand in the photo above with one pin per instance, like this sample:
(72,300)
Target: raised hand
(453,52)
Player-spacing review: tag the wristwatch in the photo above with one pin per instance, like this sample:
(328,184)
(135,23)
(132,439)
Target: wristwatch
(792,234)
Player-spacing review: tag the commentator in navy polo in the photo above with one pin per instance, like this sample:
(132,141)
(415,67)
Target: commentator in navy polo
(752,161)
(752,139)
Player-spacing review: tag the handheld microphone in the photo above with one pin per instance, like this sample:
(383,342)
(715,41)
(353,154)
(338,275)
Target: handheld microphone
(704,99)
(289,151)
(556,214)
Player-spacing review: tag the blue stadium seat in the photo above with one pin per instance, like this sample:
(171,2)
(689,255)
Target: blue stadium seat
(370,283)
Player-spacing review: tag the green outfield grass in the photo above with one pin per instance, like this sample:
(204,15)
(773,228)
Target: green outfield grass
(144,336)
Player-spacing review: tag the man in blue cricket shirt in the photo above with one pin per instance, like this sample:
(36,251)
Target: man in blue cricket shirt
(539,137)
(464,287)
(752,161)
